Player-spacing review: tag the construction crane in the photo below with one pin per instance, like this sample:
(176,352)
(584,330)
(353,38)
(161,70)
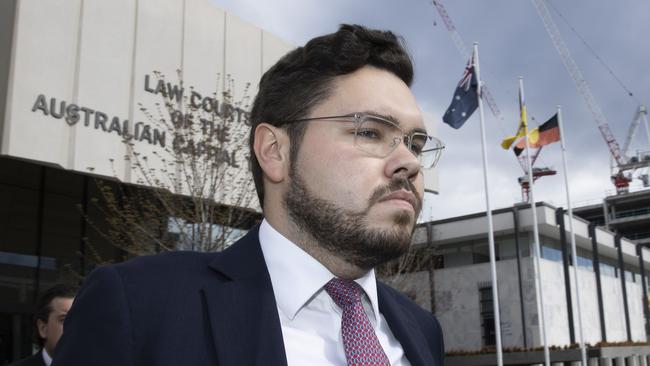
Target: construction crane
(642,158)
(525,183)
(621,173)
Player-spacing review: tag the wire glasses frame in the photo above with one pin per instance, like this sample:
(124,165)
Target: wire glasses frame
(379,137)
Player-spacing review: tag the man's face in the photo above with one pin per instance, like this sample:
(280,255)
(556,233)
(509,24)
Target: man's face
(52,330)
(359,207)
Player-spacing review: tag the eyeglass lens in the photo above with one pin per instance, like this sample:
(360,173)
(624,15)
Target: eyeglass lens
(378,137)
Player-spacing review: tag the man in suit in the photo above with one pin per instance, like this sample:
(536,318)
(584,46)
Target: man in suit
(50,311)
(338,145)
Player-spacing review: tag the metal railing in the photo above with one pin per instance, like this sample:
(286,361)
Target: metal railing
(630,213)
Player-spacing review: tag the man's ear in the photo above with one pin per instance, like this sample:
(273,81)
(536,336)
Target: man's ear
(42,328)
(271,146)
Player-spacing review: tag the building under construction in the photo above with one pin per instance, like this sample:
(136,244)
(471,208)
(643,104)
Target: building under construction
(627,214)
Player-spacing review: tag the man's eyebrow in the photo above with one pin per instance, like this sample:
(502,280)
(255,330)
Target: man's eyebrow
(390,117)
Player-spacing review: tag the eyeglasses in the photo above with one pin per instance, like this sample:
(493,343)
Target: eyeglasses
(379,137)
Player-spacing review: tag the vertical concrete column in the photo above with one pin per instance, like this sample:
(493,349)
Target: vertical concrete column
(632,360)
(599,289)
(515,221)
(606,362)
(592,361)
(643,360)
(619,361)
(559,219)
(621,268)
(646,310)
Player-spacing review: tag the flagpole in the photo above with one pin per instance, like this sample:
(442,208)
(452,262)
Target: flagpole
(574,256)
(488,214)
(539,292)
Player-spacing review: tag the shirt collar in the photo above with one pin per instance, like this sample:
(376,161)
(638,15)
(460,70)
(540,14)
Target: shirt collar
(46,357)
(297,277)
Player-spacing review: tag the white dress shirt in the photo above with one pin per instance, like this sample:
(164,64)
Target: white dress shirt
(311,321)
(46,357)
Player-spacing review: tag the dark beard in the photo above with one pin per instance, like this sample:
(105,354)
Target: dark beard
(345,233)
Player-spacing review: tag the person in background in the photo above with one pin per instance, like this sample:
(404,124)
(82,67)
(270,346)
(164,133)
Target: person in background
(51,308)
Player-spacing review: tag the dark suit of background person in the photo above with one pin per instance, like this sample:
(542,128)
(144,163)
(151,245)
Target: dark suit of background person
(50,311)
(33,360)
(184,308)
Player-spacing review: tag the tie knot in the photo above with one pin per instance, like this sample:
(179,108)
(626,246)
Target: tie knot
(344,292)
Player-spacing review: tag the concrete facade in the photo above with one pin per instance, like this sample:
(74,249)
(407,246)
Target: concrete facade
(75,68)
(462,244)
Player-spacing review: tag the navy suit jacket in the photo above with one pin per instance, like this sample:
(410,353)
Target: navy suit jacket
(187,308)
(33,360)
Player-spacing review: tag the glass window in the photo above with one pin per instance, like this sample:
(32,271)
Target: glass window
(506,248)
(552,254)
(486,306)
(585,262)
(481,253)
(608,270)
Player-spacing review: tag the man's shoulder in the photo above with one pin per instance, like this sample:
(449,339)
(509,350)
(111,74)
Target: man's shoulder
(33,360)
(162,265)
(172,260)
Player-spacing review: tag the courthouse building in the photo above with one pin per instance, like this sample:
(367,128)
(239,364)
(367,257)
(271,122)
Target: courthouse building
(76,80)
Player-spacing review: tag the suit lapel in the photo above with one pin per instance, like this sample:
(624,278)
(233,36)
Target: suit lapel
(405,328)
(241,307)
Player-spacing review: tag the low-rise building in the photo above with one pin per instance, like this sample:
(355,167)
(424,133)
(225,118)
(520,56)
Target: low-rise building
(457,287)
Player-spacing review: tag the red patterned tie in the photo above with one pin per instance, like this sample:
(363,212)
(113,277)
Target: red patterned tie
(361,345)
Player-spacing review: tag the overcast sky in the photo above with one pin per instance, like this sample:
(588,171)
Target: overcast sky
(513,42)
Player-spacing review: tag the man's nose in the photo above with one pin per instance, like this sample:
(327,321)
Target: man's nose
(403,161)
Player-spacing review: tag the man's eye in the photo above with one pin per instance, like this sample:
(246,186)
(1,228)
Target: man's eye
(417,144)
(416,148)
(368,134)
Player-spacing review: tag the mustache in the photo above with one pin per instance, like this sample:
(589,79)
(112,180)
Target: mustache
(395,185)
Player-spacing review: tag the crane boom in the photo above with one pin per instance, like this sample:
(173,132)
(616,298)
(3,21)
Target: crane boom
(638,116)
(464,52)
(580,82)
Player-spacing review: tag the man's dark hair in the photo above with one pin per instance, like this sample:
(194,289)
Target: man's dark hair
(43,306)
(302,78)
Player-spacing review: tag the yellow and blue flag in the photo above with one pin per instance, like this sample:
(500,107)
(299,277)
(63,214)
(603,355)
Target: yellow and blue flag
(523,126)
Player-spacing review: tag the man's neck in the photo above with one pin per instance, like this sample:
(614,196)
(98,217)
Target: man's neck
(305,241)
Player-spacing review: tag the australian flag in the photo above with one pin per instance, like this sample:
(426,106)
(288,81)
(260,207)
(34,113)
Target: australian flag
(465,99)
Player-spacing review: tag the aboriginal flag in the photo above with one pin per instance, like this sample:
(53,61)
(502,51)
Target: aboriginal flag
(547,133)
(465,99)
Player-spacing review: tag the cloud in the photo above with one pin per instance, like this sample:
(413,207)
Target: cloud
(513,43)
